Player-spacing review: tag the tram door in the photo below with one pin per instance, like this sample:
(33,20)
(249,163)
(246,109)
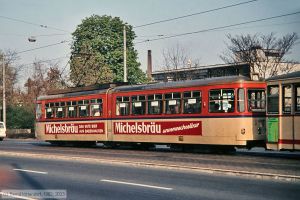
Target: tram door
(297,117)
(287,129)
(273,115)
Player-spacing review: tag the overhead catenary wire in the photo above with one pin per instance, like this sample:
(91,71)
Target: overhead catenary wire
(42,47)
(230,29)
(34,24)
(219,27)
(193,14)
(42,35)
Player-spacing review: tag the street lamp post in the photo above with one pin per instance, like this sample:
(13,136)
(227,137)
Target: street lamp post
(3,88)
(125,56)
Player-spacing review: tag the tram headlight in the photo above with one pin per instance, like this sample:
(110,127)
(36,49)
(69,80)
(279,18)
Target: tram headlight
(243,131)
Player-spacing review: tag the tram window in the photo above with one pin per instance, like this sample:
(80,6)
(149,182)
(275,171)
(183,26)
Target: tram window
(256,100)
(72,109)
(155,104)
(83,107)
(60,109)
(192,102)
(96,107)
(273,99)
(50,110)
(221,100)
(241,100)
(287,99)
(297,108)
(122,107)
(138,105)
(38,111)
(173,103)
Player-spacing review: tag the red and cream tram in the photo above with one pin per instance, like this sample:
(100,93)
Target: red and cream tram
(226,112)
(283,112)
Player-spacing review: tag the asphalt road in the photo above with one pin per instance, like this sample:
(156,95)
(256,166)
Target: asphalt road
(257,160)
(103,181)
(95,180)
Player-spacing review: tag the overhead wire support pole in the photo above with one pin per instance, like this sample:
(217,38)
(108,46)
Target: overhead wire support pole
(125,54)
(3,88)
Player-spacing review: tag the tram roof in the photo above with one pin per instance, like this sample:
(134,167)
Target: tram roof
(187,83)
(81,91)
(291,75)
(73,94)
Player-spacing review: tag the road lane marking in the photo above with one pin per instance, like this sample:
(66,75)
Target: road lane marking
(15,196)
(210,170)
(136,184)
(31,171)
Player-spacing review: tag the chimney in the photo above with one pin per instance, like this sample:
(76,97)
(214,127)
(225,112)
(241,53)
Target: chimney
(149,66)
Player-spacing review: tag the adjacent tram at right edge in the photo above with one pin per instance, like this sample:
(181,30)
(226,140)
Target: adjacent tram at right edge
(283,112)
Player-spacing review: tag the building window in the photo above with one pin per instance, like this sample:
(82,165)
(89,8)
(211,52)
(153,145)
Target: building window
(96,107)
(138,105)
(173,103)
(122,107)
(287,99)
(72,109)
(192,102)
(155,104)
(256,100)
(221,101)
(241,100)
(273,99)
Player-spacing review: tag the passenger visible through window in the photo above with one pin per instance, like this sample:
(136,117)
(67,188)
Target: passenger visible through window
(155,104)
(138,105)
(72,109)
(122,107)
(256,100)
(192,102)
(96,107)
(221,100)
(173,103)
(60,109)
(50,111)
(83,107)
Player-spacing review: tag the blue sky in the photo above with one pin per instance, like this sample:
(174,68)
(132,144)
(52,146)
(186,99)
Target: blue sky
(206,47)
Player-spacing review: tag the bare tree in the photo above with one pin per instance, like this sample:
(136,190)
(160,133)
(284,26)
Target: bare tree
(11,72)
(176,58)
(46,77)
(266,54)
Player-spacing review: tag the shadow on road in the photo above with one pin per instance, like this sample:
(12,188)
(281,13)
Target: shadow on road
(34,184)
